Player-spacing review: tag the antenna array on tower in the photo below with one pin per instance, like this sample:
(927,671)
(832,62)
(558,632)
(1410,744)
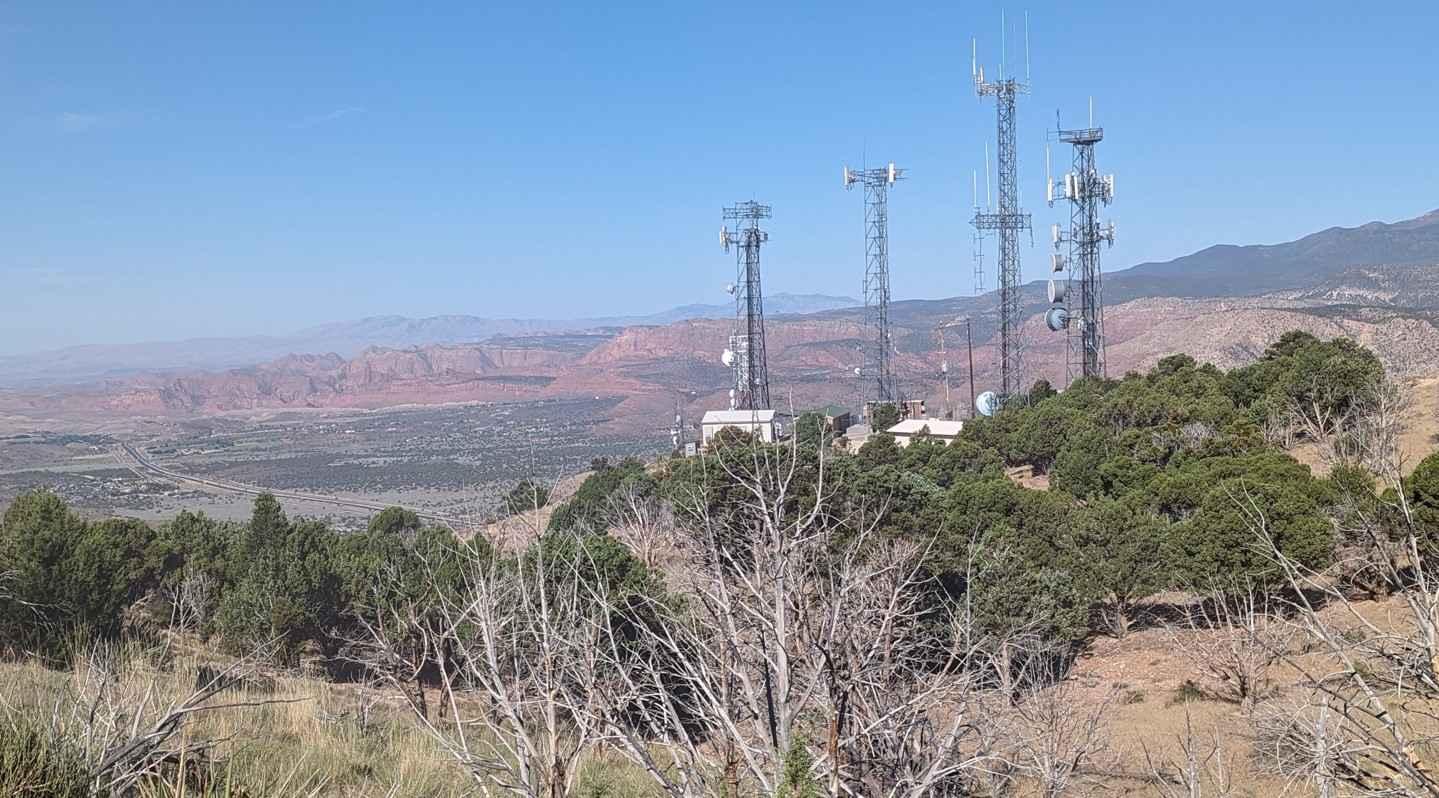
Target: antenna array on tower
(1079,304)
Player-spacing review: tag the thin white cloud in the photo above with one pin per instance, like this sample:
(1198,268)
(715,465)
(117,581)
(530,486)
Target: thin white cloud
(329,116)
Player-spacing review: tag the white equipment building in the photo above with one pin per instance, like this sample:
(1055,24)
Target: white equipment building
(938,429)
(760,423)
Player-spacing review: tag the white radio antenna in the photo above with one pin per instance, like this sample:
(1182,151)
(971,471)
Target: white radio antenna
(1048,177)
(988,198)
(1026,46)
(1003,29)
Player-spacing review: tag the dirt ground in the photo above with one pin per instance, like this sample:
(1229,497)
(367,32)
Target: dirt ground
(1148,681)
(516,532)
(1141,677)
(1419,436)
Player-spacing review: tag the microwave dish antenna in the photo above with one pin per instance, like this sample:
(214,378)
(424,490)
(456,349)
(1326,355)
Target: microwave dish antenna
(987,403)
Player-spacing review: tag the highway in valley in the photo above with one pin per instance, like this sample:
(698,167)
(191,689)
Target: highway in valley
(133,459)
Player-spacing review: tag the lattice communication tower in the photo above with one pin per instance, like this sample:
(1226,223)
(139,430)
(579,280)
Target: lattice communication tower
(746,353)
(1008,220)
(1078,298)
(877,366)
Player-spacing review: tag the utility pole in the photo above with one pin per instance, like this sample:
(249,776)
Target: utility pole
(944,363)
(969,342)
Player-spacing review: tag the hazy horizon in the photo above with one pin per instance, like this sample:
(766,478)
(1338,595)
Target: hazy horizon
(211,172)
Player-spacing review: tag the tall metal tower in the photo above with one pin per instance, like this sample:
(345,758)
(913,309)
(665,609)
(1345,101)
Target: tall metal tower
(877,366)
(746,354)
(1009,221)
(1079,302)
(979,234)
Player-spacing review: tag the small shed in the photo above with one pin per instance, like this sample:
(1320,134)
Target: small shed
(939,429)
(836,419)
(760,423)
(856,436)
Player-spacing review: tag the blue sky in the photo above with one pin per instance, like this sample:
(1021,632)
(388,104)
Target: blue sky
(171,170)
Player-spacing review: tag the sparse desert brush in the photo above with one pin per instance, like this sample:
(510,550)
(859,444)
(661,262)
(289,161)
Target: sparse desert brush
(1188,691)
(281,736)
(36,762)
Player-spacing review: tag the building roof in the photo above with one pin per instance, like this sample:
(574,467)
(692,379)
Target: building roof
(737,417)
(937,426)
(833,411)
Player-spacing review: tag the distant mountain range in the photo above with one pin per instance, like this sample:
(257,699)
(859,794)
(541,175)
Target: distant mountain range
(1380,267)
(1228,270)
(347,338)
(1377,284)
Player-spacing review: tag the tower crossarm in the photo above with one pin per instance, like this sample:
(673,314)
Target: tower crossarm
(1002,221)
(998,88)
(1088,135)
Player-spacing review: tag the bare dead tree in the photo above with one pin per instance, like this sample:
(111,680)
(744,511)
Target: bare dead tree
(191,599)
(801,622)
(1401,651)
(1368,557)
(1370,715)
(899,704)
(1376,424)
(1235,639)
(644,522)
(1060,738)
(1364,430)
(1201,769)
(1278,429)
(1321,418)
(516,651)
(994,744)
(1301,741)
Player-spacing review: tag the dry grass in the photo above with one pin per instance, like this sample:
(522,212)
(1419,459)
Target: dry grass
(310,743)
(347,740)
(293,736)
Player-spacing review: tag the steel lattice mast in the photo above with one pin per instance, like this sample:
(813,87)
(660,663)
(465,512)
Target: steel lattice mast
(751,391)
(1009,220)
(1082,318)
(878,365)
